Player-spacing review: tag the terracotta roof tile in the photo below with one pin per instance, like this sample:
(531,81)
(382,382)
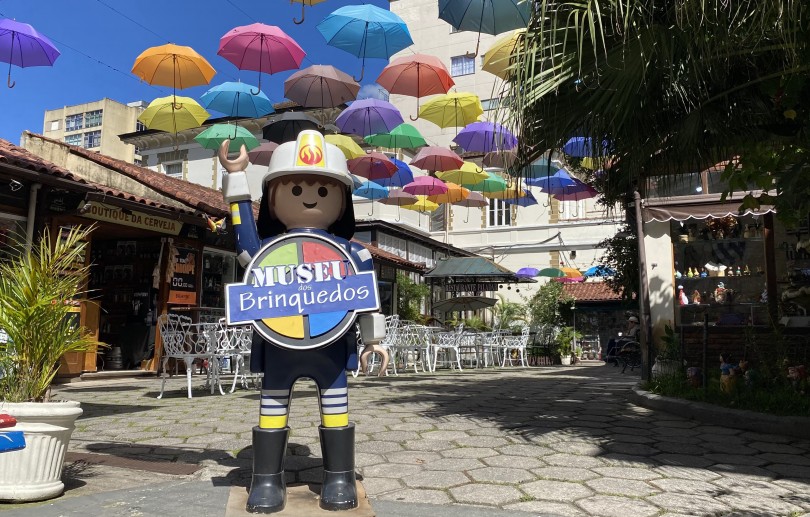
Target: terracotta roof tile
(591,292)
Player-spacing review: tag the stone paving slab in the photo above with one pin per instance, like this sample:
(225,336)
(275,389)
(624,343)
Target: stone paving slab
(513,441)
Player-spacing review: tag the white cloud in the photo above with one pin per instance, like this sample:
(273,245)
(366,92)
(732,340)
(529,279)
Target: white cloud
(372,91)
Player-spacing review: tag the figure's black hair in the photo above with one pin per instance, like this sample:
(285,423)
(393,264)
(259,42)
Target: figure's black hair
(269,226)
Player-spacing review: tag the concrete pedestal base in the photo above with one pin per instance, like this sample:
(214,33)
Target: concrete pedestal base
(302,501)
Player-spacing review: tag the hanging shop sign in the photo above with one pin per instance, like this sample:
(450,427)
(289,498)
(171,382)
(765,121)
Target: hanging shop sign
(183,276)
(113,214)
(470,287)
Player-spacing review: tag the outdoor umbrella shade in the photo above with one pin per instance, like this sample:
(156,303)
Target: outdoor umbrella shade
(422,204)
(464,303)
(417,76)
(493,183)
(173,114)
(455,109)
(372,166)
(403,136)
(369,116)
(453,194)
(261,155)
(346,144)
(213,136)
(23,46)
(528,272)
(487,16)
(261,48)
(473,200)
(399,198)
(551,272)
(599,270)
(371,190)
(426,186)
(499,56)
(236,100)
(286,126)
(527,200)
(173,65)
(485,137)
(401,177)
(469,174)
(571,272)
(583,147)
(320,86)
(435,158)
(553,184)
(365,31)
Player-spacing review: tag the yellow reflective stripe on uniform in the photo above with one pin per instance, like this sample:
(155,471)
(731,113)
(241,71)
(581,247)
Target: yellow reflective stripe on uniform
(341,420)
(235,217)
(278,422)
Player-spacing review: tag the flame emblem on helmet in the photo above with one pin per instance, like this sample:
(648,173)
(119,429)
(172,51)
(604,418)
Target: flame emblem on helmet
(310,154)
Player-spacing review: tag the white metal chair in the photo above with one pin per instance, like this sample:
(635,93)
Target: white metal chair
(181,344)
(515,344)
(491,343)
(446,342)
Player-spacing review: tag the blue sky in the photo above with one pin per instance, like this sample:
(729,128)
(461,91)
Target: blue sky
(100,39)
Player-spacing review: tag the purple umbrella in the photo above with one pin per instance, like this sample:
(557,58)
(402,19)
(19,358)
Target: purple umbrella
(485,137)
(21,45)
(368,116)
(527,200)
(527,272)
(578,192)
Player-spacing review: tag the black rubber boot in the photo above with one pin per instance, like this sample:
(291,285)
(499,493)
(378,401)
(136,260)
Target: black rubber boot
(339,490)
(268,491)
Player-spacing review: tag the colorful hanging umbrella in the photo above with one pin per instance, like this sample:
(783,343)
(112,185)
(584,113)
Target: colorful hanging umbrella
(499,56)
(373,166)
(453,194)
(261,48)
(173,65)
(236,100)
(213,136)
(527,272)
(435,158)
(487,16)
(422,204)
(510,192)
(600,270)
(369,116)
(581,147)
(485,137)
(571,272)
(452,109)
(493,183)
(21,45)
(551,272)
(578,192)
(474,199)
(321,86)
(261,155)
(556,183)
(365,31)
(417,75)
(303,13)
(468,173)
(371,190)
(539,169)
(399,198)
(425,186)
(404,136)
(401,177)
(500,159)
(346,144)
(285,127)
(173,114)
(527,200)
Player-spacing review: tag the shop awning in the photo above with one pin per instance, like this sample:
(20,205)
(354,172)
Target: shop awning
(686,210)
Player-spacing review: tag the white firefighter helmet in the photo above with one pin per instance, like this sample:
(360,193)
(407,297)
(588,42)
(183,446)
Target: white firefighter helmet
(309,154)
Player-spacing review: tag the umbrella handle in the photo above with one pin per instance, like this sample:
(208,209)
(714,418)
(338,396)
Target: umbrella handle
(362,73)
(9,82)
(414,118)
(299,22)
(477,46)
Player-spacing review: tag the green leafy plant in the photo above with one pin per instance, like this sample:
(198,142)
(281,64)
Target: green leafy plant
(565,340)
(37,291)
(509,315)
(621,255)
(670,345)
(410,296)
(547,305)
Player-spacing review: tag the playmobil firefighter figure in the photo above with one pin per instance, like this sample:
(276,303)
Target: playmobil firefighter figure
(304,286)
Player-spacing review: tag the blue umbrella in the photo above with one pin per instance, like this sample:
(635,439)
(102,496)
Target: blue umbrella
(540,168)
(402,177)
(527,200)
(368,116)
(599,271)
(555,184)
(371,190)
(485,137)
(582,147)
(235,100)
(365,31)
(488,16)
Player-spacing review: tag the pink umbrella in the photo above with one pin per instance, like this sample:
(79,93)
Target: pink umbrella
(426,186)
(578,192)
(261,155)
(417,76)
(373,166)
(434,158)
(399,198)
(260,47)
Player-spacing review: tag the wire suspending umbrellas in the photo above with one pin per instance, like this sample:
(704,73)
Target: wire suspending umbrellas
(320,86)
(417,76)
(487,16)
(23,46)
(365,31)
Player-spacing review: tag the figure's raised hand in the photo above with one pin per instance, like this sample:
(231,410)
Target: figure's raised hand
(236,165)
(234,182)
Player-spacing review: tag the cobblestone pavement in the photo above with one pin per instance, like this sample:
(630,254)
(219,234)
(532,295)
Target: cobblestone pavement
(550,440)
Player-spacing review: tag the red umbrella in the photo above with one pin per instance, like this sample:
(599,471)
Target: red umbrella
(321,86)
(261,155)
(417,76)
(435,158)
(373,166)
(426,186)
(260,47)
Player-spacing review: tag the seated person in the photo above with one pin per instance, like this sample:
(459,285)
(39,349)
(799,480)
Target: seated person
(616,344)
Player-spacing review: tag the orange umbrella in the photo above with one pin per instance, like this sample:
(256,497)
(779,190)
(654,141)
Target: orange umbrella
(173,65)
(513,192)
(571,272)
(454,194)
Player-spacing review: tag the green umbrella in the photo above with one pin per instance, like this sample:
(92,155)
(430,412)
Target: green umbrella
(402,136)
(212,137)
(551,272)
(493,183)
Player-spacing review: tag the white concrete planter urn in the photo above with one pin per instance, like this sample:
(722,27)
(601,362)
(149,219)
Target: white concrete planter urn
(565,360)
(35,473)
(665,368)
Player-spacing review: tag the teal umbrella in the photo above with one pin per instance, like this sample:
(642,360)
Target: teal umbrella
(212,137)
(402,136)
(551,272)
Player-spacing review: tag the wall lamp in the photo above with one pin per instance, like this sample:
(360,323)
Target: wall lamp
(15,185)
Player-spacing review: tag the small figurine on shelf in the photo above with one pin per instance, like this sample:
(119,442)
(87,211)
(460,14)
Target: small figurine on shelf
(738,272)
(682,299)
(720,293)
(747,271)
(703,272)
(678,275)
(728,374)
(696,298)
(690,273)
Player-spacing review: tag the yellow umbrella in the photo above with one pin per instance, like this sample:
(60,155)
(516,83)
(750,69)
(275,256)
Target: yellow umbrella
(496,60)
(469,173)
(452,109)
(346,144)
(173,65)
(571,272)
(514,192)
(454,194)
(173,114)
(423,204)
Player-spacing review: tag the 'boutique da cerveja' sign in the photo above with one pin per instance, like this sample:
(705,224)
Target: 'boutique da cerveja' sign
(301,291)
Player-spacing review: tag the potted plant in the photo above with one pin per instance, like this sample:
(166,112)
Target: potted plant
(668,357)
(37,292)
(565,343)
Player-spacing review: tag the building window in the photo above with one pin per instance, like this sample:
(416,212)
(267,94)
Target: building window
(175,170)
(491,104)
(498,214)
(92,139)
(74,139)
(92,118)
(74,122)
(462,65)
(139,126)
(54,125)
